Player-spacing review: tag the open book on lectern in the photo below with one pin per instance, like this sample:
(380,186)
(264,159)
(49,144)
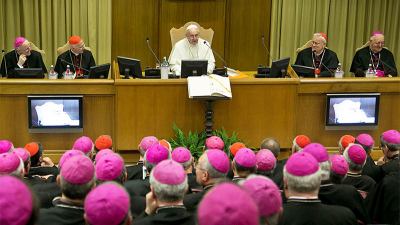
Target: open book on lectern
(209,86)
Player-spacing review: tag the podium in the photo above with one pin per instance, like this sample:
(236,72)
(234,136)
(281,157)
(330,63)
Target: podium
(209,113)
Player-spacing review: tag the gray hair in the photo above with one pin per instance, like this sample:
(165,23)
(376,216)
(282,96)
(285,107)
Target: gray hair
(212,172)
(353,166)
(304,184)
(76,191)
(318,35)
(272,145)
(19,172)
(325,169)
(167,192)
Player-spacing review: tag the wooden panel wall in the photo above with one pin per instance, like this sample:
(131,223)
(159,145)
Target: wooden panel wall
(238,26)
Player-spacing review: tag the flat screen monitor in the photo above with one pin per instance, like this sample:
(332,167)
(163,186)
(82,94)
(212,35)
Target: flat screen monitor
(193,68)
(133,65)
(55,114)
(99,72)
(279,68)
(304,71)
(355,111)
(28,73)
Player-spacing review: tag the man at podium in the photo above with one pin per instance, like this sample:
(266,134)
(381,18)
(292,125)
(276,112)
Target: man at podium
(380,58)
(323,60)
(21,57)
(191,48)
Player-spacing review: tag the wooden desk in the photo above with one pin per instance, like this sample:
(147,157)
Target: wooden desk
(259,108)
(311,106)
(98,106)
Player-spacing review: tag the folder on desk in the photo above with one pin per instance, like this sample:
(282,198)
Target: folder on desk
(207,86)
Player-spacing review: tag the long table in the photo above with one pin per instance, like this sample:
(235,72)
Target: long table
(131,109)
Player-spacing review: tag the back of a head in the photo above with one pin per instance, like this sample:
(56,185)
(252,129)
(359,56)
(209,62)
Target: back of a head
(11,164)
(245,161)
(146,143)
(227,203)
(271,144)
(319,152)
(356,157)
(366,141)
(107,204)
(111,168)
(265,162)
(169,182)
(390,139)
(302,173)
(154,155)
(339,169)
(266,195)
(16,202)
(216,163)
(103,142)
(35,149)
(77,177)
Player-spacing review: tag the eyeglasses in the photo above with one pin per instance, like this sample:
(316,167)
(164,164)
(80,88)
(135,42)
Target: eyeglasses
(316,43)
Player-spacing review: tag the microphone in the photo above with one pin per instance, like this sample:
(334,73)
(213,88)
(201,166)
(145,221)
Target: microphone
(71,64)
(151,50)
(5,61)
(330,72)
(389,67)
(265,47)
(219,56)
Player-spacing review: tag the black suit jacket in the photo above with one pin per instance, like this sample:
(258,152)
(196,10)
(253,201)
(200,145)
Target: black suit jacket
(87,62)
(34,60)
(139,187)
(330,60)
(362,59)
(135,172)
(62,214)
(167,216)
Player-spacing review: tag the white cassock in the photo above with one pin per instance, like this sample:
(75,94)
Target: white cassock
(183,50)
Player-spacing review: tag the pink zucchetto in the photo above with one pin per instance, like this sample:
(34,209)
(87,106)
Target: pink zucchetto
(156,154)
(265,160)
(22,153)
(339,165)
(16,202)
(100,154)
(9,162)
(377,32)
(78,170)
(109,167)
(265,194)
(356,154)
(5,146)
(318,151)
(67,155)
(391,137)
(147,142)
(227,203)
(301,164)
(84,143)
(19,41)
(169,172)
(214,142)
(365,139)
(107,204)
(245,157)
(218,160)
(181,155)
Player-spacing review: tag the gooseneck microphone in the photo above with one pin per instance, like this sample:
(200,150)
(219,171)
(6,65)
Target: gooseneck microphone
(151,50)
(71,64)
(268,55)
(5,61)
(218,55)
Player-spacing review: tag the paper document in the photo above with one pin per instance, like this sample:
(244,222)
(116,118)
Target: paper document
(211,85)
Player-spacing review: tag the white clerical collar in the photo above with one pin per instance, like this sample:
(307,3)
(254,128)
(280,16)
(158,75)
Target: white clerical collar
(76,54)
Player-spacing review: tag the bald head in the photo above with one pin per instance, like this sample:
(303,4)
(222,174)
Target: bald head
(192,34)
(376,42)
(271,144)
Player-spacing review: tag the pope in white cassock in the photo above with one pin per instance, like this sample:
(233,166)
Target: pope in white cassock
(191,48)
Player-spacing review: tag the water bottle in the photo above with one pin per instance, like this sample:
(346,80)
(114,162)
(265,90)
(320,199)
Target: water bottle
(164,68)
(68,73)
(339,72)
(370,72)
(52,73)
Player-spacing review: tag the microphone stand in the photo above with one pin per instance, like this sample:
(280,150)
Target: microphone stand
(5,61)
(219,56)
